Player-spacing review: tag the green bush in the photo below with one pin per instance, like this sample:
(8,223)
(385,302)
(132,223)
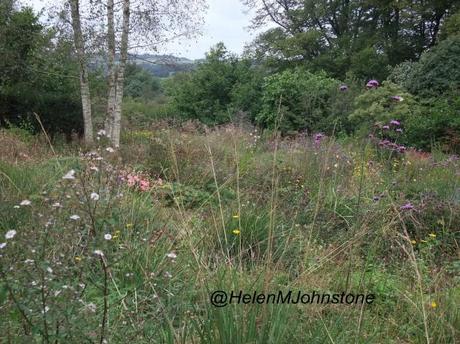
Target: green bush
(218,88)
(297,96)
(376,106)
(437,124)
(437,71)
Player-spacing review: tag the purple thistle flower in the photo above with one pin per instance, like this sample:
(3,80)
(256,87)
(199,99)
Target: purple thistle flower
(407,206)
(399,130)
(395,122)
(372,84)
(401,149)
(343,88)
(386,127)
(318,137)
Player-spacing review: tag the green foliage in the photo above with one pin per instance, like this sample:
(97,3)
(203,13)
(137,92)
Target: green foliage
(139,83)
(376,106)
(361,37)
(297,99)
(38,75)
(220,86)
(438,70)
(437,124)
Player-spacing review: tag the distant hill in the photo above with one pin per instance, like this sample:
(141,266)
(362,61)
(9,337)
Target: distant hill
(163,66)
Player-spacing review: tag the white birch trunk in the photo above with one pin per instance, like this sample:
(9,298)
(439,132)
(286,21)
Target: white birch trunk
(120,78)
(112,69)
(84,82)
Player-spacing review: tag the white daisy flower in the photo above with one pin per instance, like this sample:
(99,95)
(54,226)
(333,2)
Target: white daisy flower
(101,132)
(10,234)
(94,196)
(56,205)
(16,207)
(75,217)
(29,261)
(2,245)
(108,236)
(110,149)
(171,255)
(91,307)
(69,175)
(25,202)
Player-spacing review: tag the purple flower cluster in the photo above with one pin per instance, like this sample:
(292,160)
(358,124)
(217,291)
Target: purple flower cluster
(393,123)
(318,137)
(407,206)
(393,146)
(343,88)
(372,84)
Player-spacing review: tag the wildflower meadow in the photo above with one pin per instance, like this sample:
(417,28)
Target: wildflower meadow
(109,245)
(230,172)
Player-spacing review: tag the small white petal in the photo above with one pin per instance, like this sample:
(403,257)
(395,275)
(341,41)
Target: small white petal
(94,196)
(171,255)
(2,245)
(108,236)
(99,253)
(10,234)
(69,175)
(75,217)
(25,202)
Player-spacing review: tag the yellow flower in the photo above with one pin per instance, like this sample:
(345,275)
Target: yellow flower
(115,236)
(432,235)
(433,304)
(77,258)
(423,240)
(236,231)
(236,216)
(413,242)
(129,225)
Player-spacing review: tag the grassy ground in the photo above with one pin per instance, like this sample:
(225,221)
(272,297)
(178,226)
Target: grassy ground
(130,246)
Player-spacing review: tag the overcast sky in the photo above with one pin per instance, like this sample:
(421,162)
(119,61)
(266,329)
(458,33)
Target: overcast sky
(226,21)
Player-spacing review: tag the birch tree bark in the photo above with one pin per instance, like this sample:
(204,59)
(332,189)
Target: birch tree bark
(84,82)
(112,68)
(120,76)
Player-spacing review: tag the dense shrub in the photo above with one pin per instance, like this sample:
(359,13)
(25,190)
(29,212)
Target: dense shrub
(297,96)
(437,124)
(437,71)
(219,87)
(378,106)
(39,74)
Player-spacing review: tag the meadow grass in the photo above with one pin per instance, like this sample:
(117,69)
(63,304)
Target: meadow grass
(130,246)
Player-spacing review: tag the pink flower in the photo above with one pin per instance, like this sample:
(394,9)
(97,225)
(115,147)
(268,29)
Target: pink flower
(144,185)
(131,180)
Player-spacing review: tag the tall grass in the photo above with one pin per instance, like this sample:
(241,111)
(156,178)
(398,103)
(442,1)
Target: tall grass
(228,210)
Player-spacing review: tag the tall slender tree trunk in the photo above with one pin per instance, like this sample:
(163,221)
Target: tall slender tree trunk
(112,69)
(120,77)
(84,82)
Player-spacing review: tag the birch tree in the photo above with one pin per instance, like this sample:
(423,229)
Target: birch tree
(116,73)
(84,81)
(129,26)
